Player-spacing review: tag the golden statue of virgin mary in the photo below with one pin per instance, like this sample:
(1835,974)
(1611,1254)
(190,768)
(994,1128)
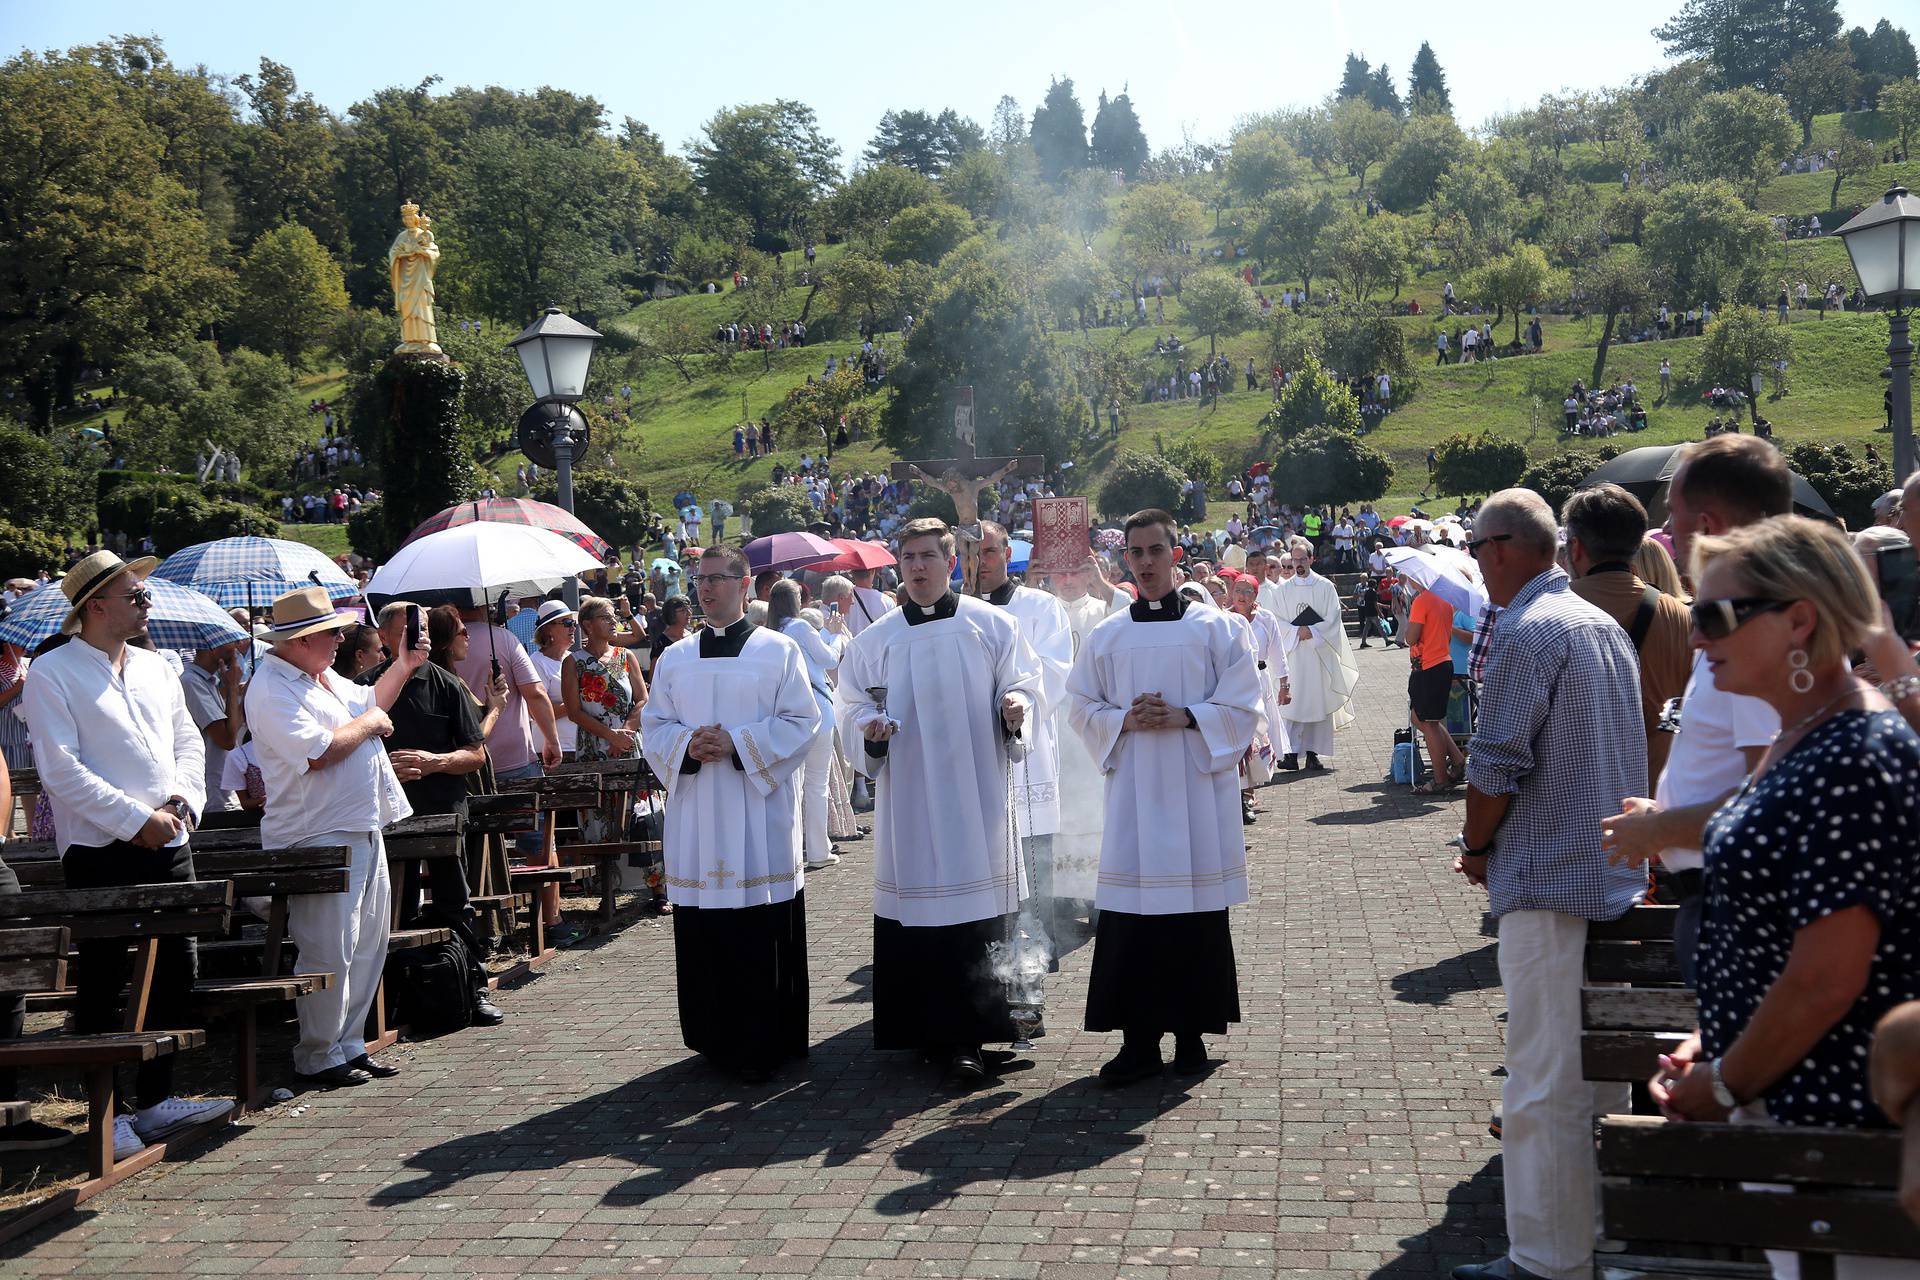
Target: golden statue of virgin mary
(411,262)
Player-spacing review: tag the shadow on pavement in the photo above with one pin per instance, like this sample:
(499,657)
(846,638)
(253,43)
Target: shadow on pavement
(1437,983)
(1473,1229)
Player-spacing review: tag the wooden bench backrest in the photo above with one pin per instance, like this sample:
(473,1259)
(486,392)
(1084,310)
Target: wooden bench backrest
(34,959)
(125,911)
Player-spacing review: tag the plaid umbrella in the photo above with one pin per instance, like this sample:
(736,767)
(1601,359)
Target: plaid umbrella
(180,618)
(540,515)
(253,572)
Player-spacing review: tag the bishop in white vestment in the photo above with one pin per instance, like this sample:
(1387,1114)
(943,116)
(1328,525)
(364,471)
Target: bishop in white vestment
(933,702)
(726,727)
(1167,698)
(1320,667)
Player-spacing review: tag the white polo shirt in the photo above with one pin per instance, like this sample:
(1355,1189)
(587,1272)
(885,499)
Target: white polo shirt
(293,717)
(1706,759)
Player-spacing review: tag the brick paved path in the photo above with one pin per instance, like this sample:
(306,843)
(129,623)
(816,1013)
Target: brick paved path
(1346,1134)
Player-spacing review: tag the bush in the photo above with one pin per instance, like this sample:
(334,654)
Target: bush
(1557,477)
(191,518)
(614,508)
(242,491)
(780,508)
(1477,464)
(1312,401)
(1329,467)
(41,490)
(1848,483)
(1199,466)
(25,552)
(1140,480)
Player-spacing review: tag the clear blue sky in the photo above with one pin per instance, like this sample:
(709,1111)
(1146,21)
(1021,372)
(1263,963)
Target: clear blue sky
(673,65)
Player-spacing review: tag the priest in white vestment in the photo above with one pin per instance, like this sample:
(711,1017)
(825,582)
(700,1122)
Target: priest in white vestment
(934,702)
(1089,599)
(1320,667)
(1167,698)
(1036,779)
(727,725)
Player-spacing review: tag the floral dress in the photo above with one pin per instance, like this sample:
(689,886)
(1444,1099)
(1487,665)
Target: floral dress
(606,694)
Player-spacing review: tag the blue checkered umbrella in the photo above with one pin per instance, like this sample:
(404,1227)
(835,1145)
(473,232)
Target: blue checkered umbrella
(180,618)
(253,572)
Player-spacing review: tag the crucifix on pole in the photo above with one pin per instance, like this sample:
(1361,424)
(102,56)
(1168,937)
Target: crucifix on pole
(964,477)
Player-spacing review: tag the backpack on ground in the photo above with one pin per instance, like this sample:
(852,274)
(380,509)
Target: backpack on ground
(432,988)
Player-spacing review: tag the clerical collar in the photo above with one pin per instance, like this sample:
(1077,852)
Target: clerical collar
(1002,595)
(725,643)
(1168,608)
(945,607)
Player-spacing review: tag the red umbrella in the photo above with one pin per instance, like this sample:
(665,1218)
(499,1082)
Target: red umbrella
(782,551)
(1397,521)
(540,515)
(856,555)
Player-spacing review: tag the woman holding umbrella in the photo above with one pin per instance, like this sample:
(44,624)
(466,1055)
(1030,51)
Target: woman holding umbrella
(604,690)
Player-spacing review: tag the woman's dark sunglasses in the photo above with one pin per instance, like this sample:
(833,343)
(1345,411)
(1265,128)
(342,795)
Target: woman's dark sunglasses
(1718,619)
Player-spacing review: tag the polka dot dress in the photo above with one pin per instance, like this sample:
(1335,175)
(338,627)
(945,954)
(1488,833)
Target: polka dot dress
(1834,824)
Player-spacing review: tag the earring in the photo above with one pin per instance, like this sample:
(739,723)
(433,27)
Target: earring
(1800,680)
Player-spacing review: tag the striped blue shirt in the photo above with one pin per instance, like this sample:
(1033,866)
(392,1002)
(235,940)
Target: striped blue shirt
(1560,731)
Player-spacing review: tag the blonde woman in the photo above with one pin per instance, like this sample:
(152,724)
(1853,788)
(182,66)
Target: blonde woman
(604,689)
(1653,566)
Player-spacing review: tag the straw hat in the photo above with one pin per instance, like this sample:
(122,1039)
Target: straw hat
(86,579)
(551,611)
(303,613)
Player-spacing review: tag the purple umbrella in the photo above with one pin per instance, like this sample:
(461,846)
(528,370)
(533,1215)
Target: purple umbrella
(784,551)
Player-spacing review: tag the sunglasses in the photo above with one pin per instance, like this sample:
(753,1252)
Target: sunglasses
(1473,548)
(140,597)
(1718,619)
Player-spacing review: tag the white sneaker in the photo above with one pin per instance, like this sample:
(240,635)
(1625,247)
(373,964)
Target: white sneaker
(824,863)
(126,1142)
(167,1118)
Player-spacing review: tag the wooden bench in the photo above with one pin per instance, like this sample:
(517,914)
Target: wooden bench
(1681,1183)
(1633,1008)
(624,778)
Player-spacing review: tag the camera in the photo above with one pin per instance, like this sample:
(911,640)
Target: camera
(1898,579)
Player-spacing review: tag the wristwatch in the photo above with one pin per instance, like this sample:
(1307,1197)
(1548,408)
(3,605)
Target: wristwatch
(1721,1094)
(1467,852)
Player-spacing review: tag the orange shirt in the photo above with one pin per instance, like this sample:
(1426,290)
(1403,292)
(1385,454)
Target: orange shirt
(1435,617)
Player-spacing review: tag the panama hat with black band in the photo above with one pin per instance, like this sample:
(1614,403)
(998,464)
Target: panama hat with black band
(305,612)
(90,576)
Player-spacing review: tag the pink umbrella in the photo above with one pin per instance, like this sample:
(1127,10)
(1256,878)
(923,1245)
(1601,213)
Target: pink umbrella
(856,555)
(781,551)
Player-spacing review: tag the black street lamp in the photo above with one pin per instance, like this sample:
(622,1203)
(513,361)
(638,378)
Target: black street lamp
(555,351)
(1884,243)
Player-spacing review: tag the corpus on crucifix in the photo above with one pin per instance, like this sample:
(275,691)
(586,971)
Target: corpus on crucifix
(964,477)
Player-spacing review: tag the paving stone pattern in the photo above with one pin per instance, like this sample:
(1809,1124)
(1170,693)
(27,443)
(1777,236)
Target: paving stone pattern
(1344,1135)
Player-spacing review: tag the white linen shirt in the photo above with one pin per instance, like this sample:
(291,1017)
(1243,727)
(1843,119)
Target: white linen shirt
(293,717)
(111,745)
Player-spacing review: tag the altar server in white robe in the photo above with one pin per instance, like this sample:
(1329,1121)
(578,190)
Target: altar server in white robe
(1320,666)
(934,701)
(1271,569)
(1036,779)
(1089,599)
(1167,697)
(1270,659)
(727,725)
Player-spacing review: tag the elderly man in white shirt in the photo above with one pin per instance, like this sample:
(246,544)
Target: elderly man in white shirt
(317,736)
(125,770)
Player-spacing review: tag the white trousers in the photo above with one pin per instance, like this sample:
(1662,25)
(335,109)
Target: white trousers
(344,934)
(1303,736)
(813,795)
(1547,1109)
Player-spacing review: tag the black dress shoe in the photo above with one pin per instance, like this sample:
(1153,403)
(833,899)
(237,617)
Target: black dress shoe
(1130,1066)
(340,1077)
(378,1070)
(1313,761)
(1290,762)
(1498,1269)
(1190,1056)
(485,1012)
(965,1070)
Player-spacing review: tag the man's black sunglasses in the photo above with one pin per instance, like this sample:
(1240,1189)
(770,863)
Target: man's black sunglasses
(1473,547)
(1718,619)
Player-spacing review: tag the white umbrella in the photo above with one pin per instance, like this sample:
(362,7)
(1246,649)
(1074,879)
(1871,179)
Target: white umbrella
(473,564)
(1448,572)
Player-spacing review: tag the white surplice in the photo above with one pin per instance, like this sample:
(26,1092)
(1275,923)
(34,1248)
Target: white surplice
(1174,841)
(942,848)
(1083,800)
(732,834)
(1321,670)
(1036,779)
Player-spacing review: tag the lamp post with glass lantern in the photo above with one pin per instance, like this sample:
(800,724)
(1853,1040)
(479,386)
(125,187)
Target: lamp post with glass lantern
(555,351)
(1884,243)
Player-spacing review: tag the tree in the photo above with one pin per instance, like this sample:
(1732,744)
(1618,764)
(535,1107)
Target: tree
(284,158)
(814,411)
(1748,39)
(1362,134)
(1326,467)
(399,146)
(926,233)
(1853,155)
(1513,282)
(1742,136)
(1900,104)
(925,143)
(779,508)
(1059,132)
(1704,240)
(1260,162)
(1137,481)
(291,294)
(1382,94)
(1353,79)
(1292,232)
(765,162)
(675,337)
(41,492)
(1311,401)
(1613,285)
(1742,344)
(1309,131)
(865,202)
(1218,303)
(1118,141)
(1367,254)
(1009,127)
(1154,219)
(1075,282)
(1556,478)
(1429,146)
(1427,85)
(1817,80)
(1475,212)
(615,508)
(25,552)
(1479,463)
(1882,57)
(1850,484)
